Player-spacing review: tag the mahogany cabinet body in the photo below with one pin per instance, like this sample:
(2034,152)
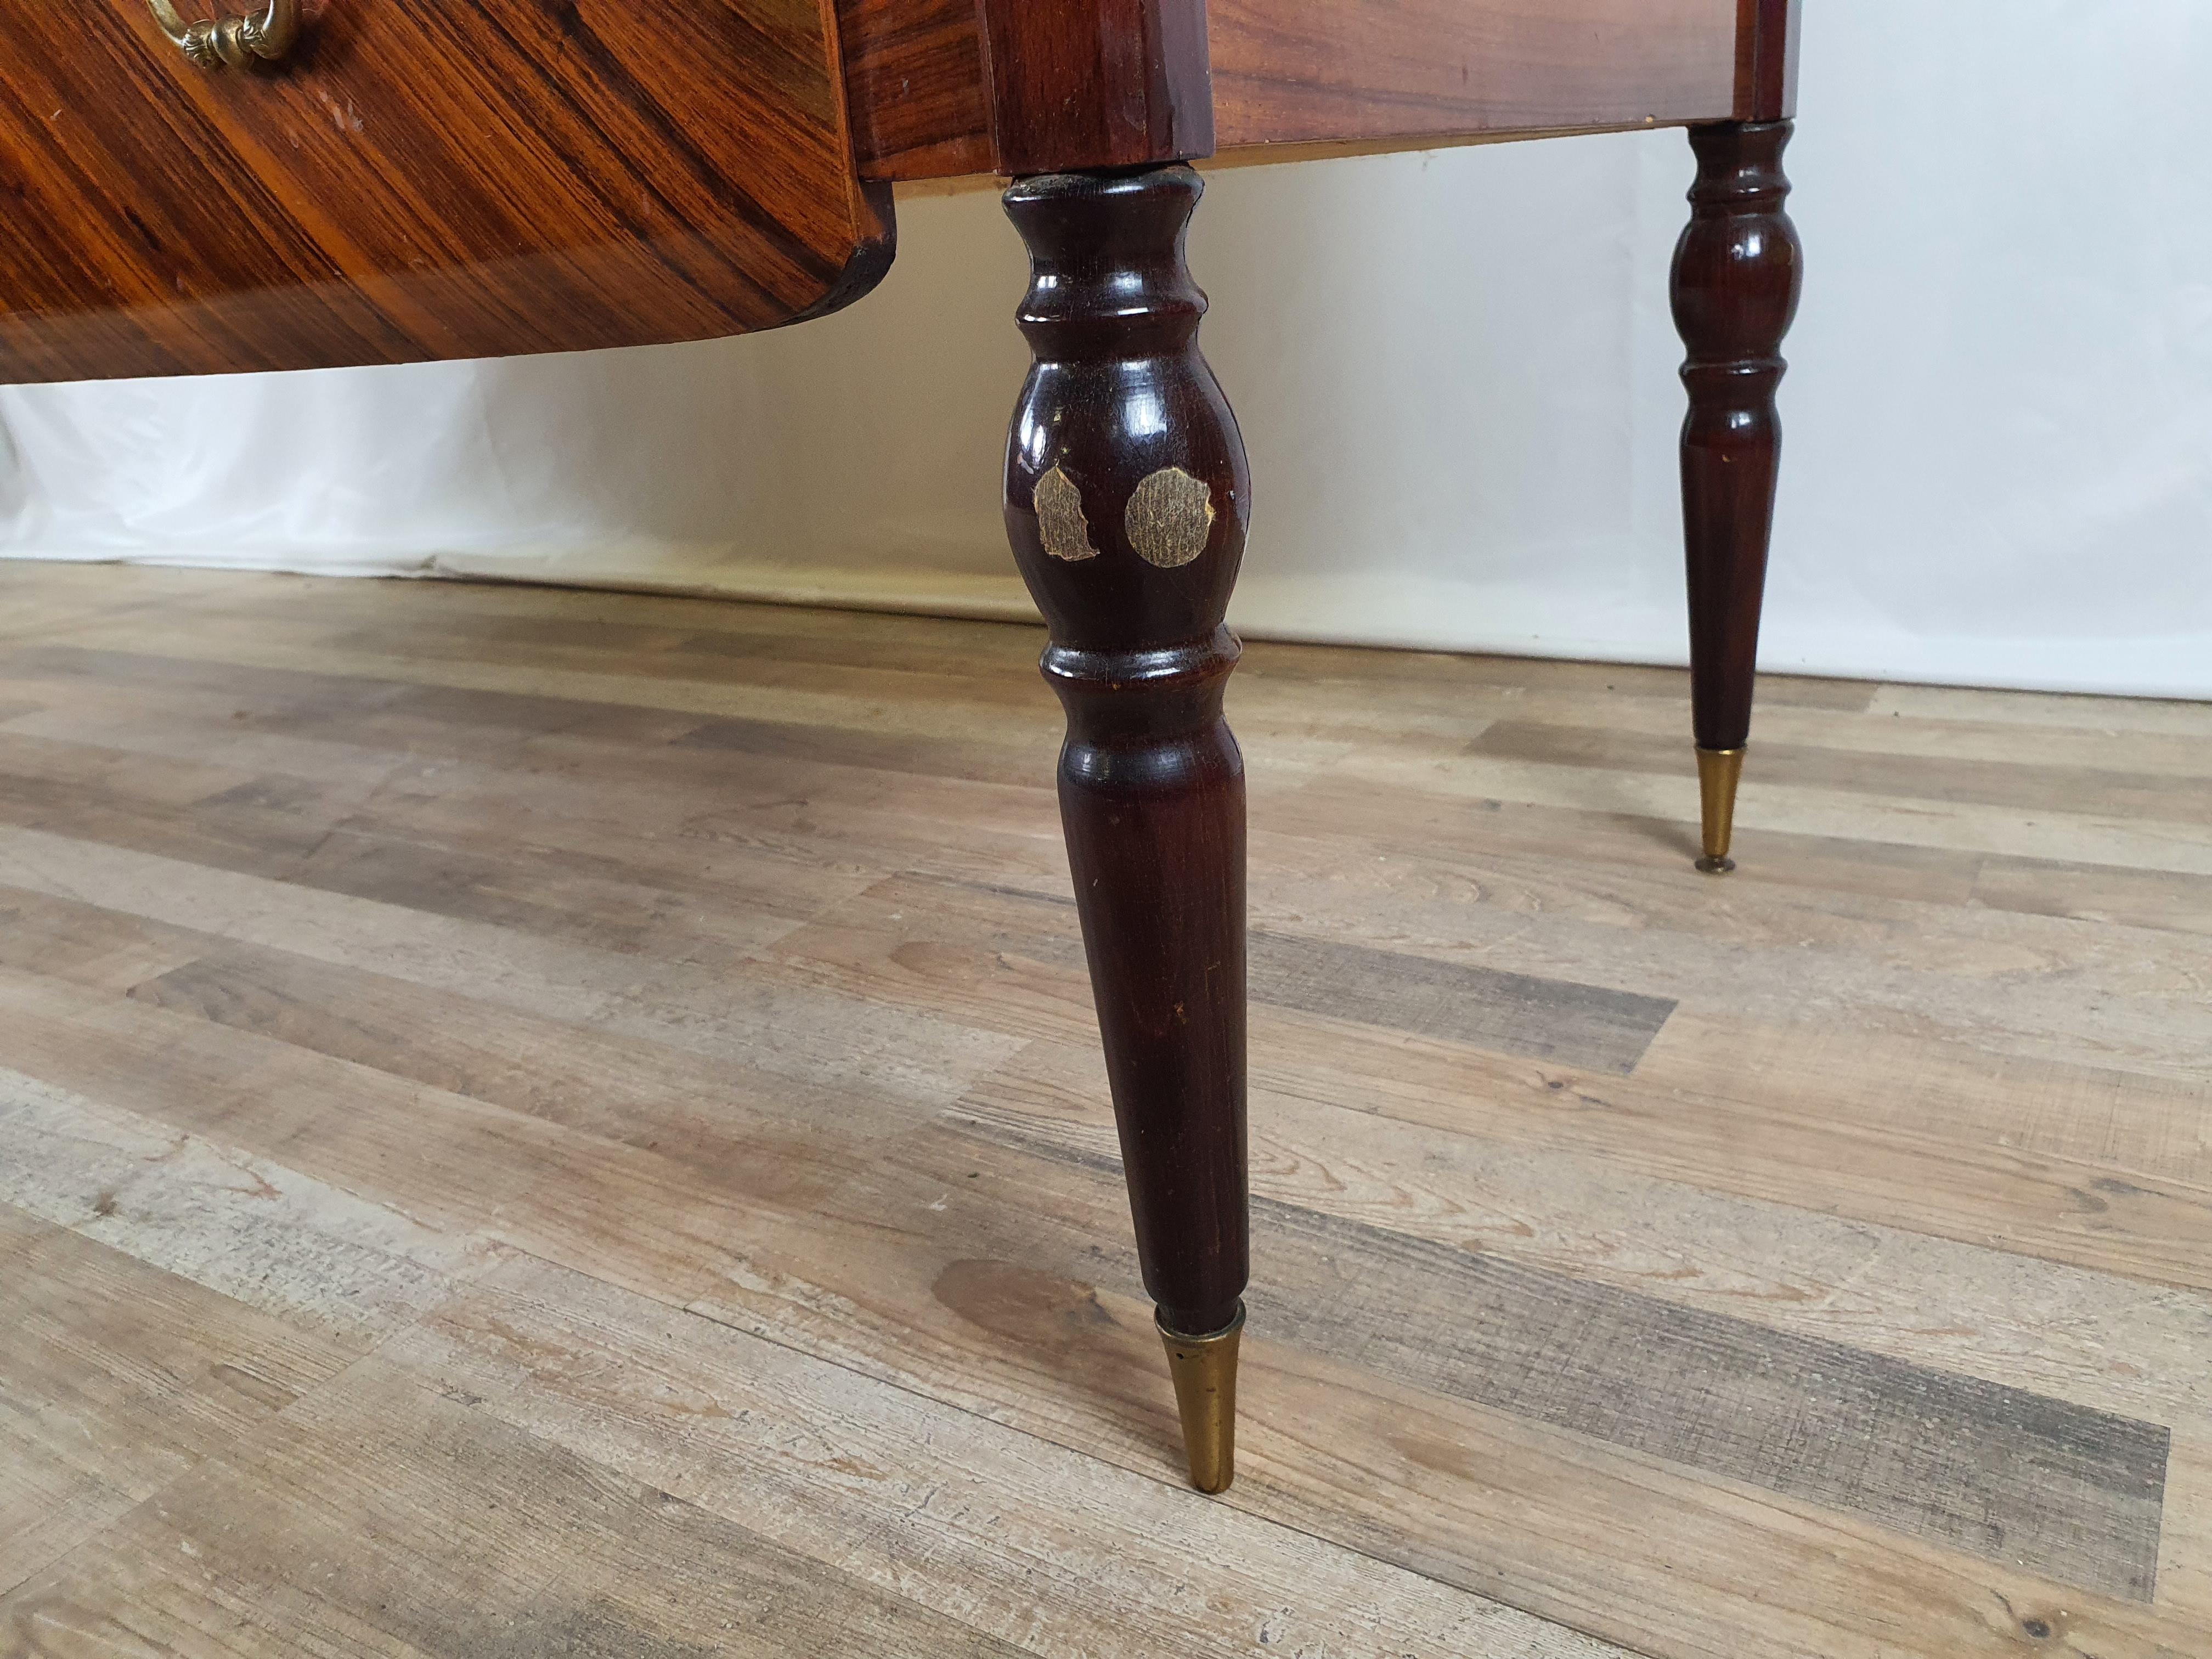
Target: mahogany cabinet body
(421,180)
(418,179)
(425,180)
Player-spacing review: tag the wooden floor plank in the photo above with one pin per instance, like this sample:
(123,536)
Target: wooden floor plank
(706,1011)
(117,1378)
(380,1517)
(1422,894)
(2056,1490)
(1103,1562)
(625,1231)
(2021,785)
(658,1029)
(2092,893)
(252,1230)
(2068,1493)
(1977,1310)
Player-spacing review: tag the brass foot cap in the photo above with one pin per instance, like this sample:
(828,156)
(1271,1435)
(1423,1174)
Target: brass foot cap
(1205,1372)
(1719,771)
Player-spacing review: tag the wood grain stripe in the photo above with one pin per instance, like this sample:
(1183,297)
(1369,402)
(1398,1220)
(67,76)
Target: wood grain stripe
(2063,1489)
(115,1378)
(1286,72)
(1584,1025)
(421,180)
(916,83)
(1587,1026)
(2060,1490)
(610,931)
(1767,33)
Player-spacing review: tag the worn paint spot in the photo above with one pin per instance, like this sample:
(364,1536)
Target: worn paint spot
(1060,524)
(259,1389)
(1171,517)
(1025,1305)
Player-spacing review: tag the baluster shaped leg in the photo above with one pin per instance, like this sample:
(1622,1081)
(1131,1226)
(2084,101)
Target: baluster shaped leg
(1735,293)
(1126,499)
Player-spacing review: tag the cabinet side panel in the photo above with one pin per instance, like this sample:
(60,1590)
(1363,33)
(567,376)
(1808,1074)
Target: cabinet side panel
(1285,71)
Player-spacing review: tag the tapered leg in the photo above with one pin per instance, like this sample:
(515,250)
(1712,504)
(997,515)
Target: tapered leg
(1735,292)
(1127,498)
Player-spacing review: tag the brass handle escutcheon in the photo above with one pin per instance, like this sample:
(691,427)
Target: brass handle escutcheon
(236,41)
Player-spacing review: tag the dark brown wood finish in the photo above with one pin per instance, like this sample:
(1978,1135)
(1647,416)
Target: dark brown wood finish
(1098,83)
(940,88)
(422,180)
(1126,499)
(1766,60)
(1735,283)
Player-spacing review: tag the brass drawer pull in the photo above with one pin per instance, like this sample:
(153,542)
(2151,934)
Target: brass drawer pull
(236,41)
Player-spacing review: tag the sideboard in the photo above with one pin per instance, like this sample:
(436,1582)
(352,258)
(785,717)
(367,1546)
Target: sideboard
(315,183)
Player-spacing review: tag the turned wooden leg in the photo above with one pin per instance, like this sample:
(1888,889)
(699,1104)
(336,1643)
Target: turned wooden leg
(1735,292)
(1127,498)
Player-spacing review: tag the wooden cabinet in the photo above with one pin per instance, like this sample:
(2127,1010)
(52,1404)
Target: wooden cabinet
(418,179)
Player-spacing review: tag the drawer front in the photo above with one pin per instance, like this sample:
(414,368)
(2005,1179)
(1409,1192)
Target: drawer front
(420,178)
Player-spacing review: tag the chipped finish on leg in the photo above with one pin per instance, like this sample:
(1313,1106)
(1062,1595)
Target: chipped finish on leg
(1170,519)
(1121,405)
(1061,526)
(1735,283)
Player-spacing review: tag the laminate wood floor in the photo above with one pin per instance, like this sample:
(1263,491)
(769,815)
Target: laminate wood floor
(542,1123)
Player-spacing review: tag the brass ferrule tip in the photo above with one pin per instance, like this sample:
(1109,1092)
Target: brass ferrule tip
(1719,771)
(1205,1372)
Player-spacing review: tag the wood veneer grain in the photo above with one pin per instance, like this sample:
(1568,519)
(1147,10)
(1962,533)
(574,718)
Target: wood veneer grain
(422,180)
(2064,1491)
(915,82)
(943,87)
(940,88)
(1098,83)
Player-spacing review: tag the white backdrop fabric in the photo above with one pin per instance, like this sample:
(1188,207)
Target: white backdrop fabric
(1456,373)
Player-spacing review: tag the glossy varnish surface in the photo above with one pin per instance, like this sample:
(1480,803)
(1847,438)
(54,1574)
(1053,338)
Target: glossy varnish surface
(1098,83)
(943,87)
(1126,497)
(1735,286)
(914,81)
(420,180)
(1767,35)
